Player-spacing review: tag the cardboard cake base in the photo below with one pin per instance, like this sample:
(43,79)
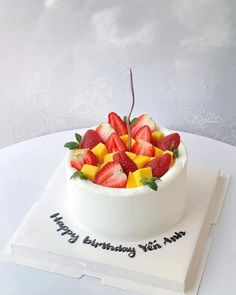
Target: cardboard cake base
(169,264)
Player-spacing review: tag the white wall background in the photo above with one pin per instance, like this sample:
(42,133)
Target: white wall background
(63,64)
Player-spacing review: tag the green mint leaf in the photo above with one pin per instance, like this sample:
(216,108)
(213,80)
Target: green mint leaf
(78,137)
(72,145)
(172,146)
(133,121)
(78,174)
(124,119)
(152,185)
(175,153)
(145,180)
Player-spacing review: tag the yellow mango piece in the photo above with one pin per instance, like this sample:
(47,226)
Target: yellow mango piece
(157,135)
(108,157)
(124,138)
(132,156)
(131,181)
(141,160)
(100,151)
(158,152)
(140,173)
(90,171)
(172,157)
(132,143)
(151,158)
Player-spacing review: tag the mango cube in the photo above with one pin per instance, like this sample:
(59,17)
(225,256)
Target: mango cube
(100,151)
(140,173)
(124,138)
(158,152)
(172,157)
(132,156)
(108,157)
(131,181)
(157,135)
(90,171)
(141,160)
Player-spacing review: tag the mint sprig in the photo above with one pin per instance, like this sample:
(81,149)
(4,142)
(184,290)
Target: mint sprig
(133,121)
(175,153)
(151,182)
(72,145)
(78,174)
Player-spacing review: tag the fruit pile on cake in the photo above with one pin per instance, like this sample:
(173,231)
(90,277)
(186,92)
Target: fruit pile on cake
(123,154)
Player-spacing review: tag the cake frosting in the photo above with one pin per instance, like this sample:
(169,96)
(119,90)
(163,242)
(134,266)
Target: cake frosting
(129,214)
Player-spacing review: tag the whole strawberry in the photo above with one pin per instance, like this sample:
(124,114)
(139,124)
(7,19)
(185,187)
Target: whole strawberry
(126,163)
(170,142)
(90,139)
(160,165)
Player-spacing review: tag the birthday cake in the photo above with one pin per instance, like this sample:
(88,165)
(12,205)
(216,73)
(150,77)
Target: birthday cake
(126,179)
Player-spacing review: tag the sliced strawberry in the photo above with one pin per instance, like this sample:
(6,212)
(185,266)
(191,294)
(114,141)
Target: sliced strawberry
(111,175)
(117,123)
(90,139)
(126,163)
(169,142)
(85,157)
(160,165)
(105,130)
(142,147)
(115,144)
(143,120)
(144,133)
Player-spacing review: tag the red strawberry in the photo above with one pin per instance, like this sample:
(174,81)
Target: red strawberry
(105,130)
(144,133)
(126,163)
(160,165)
(115,144)
(90,139)
(169,142)
(85,157)
(117,123)
(143,147)
(111,175)
(143,120)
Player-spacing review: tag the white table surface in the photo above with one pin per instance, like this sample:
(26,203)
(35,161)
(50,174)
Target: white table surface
(25,169)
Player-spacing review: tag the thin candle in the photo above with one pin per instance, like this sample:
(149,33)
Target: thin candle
(132,106)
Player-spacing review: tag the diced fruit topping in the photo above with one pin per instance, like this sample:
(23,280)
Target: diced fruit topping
(143,133)
(100,150)
(169,142)
(90,139)
(158,152)
(89,171)
(131,181)
(141,173)
(111,175)
(172,157)
(105,130)
(85,156)
(143,147)
(126,163)
(108,157)
(140,122)
(160,165)
(115,144)
(131,155)
(117,123)
(157,136)
(141,161)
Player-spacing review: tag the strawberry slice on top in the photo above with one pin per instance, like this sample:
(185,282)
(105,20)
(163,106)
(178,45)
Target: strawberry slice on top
(169,142)
(114,143)
(143,147)
(117,123)
(105,130)
(84,157)
(126,163)
(90,139)
(144,133)
(160,165)
(141,121)
(111,175)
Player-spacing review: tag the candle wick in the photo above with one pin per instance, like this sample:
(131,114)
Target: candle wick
(132,106)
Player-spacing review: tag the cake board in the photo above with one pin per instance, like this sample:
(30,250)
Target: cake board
(176,267)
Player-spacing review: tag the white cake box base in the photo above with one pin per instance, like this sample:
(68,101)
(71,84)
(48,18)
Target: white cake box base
(169,264)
